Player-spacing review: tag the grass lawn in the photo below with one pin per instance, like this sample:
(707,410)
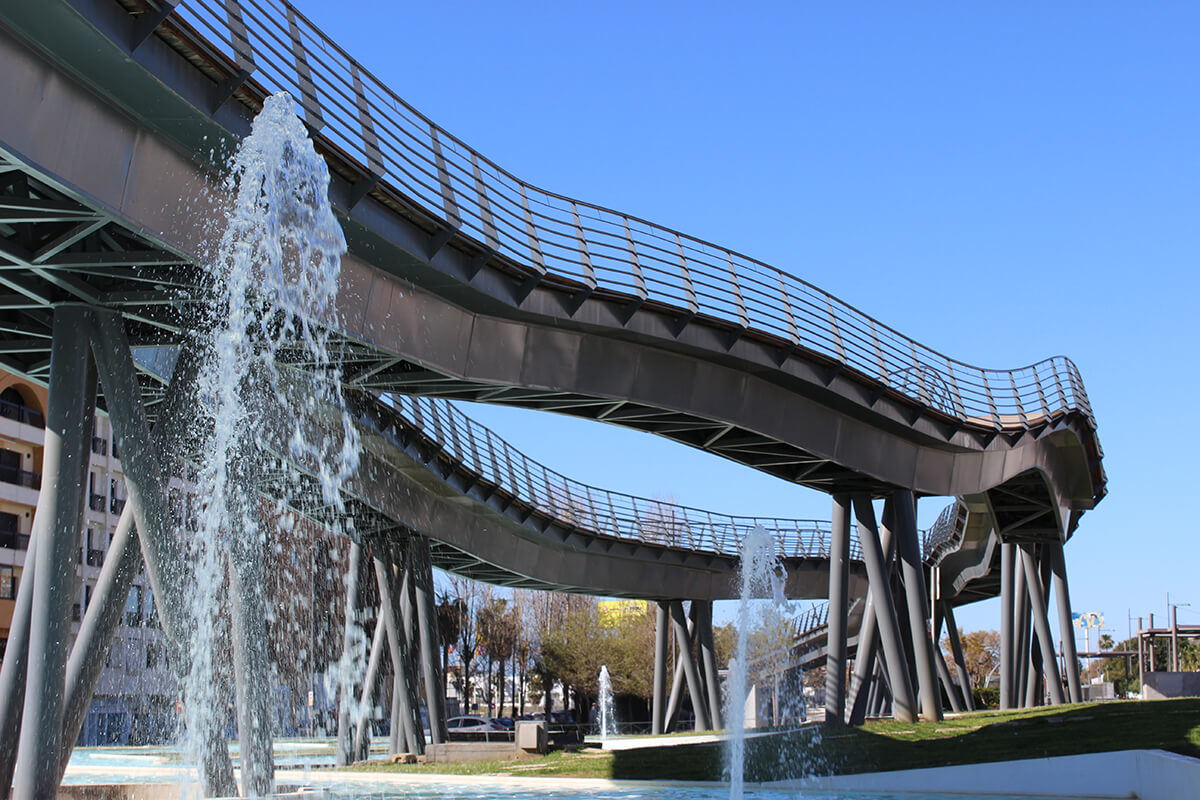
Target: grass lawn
(1172,725)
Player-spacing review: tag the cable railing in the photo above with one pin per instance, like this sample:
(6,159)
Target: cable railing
(266,46)
(598,511)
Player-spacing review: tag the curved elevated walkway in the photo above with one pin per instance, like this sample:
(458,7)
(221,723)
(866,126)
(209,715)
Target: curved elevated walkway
(464,281)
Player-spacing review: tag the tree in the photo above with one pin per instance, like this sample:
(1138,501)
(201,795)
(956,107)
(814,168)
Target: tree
(450,610)
(497,626)
(981,651)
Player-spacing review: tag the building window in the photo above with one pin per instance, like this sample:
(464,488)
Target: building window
(8,584)
(11,472)
(10,537)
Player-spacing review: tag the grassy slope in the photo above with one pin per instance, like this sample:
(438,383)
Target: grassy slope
(1172,725)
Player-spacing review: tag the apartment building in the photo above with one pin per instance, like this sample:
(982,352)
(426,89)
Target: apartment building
(135,696)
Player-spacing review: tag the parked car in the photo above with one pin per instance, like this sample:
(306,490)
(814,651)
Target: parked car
(471,724)
(505,723)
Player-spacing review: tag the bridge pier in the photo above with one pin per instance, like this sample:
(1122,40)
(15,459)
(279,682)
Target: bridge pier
(59,516)
(904,518)
(885,610)
(658,708)
(960,661)
(708,659)
(839,578)
(420,564)
(362,736)
(690,671)
(1007,637)
(398,644)
(1037,600)
(867,657)
(1066,630)
(346,692)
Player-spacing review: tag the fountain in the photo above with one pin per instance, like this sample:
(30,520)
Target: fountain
(758,577)
(608,720)
(275,283)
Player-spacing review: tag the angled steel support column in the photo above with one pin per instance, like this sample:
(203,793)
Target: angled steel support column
(143,461)
(389,607)
(839,579)
(943,671)
(868,643)
(121,564)
(1022,627)
(72,403)
(251,661)
(908,547)
(362,736)
(658,703)
(904,706)
(708,657)
(692,675)
(421,567)
(1037,600)
(402,588)
(672,712)
(1008,639)
(964,679)
(13,671)
(100,622)
(1066,630)
(346,693)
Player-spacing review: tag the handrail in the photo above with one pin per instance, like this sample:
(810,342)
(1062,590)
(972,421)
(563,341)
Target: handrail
(598,511)
(480,451)
(266,46)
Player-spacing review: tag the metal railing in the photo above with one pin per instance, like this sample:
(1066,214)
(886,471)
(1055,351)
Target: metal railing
(480,451)
(946,532)
(20,477)
(266,46)
(22,413)
(811,621)
(14,540)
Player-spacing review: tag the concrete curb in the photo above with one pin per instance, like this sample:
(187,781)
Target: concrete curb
(1142,774)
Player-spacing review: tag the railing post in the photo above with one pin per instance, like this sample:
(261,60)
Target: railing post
(370,139)
(585,258)
(1012,377)
(883,370)
(987,390)
(449,204)
(535,245)
(639,280)
(837,333)
(1037,380)
(743,315)
(308,90)
(688,287)
(485,210)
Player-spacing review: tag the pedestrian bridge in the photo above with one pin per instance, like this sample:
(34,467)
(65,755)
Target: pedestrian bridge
(464,281)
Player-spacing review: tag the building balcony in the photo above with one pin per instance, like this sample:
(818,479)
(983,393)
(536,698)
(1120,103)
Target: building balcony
(20,477)
(95,558)
(117,505)
(14,540)
(99,446)
(22,414)
(96,502)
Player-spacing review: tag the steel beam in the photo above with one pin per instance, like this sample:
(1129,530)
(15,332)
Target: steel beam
(389,607)
(839,579)
(708,654)
(908,548)
(691,674)
(1037,599)
(1066,630)
(72,403)
(867,655)
(345,755)
(677,681)
(421,568)
(13,670)
(960,662)
(1007,635)
(1022,628)
(362,736)
(121,565)
(904,706)
(657,707)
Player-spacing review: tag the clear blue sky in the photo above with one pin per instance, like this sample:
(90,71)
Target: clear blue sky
(1002,183)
